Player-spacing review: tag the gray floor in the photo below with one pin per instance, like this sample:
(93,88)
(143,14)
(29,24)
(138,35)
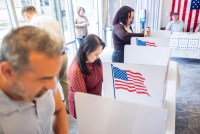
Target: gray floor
(187,99)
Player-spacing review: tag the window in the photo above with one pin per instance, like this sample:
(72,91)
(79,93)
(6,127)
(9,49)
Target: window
(91,12)
(18,6)
(5,24)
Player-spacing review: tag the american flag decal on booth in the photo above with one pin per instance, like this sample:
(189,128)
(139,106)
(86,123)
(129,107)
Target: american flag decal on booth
(129,81)
(145,43)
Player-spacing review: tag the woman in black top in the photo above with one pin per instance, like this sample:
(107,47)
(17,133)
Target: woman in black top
(122,32)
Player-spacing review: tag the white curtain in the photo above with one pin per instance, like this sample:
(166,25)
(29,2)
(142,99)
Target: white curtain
(153,14)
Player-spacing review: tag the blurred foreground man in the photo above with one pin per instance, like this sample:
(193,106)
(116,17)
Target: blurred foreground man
(30,62)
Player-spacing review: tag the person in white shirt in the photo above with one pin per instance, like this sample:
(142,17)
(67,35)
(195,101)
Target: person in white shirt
(51,26)
(175,25)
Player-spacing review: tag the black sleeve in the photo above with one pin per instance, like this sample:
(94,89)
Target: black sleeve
(123,34)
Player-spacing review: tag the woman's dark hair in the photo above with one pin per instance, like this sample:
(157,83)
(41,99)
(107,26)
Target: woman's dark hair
(122,15)
(79,9)
(89,44)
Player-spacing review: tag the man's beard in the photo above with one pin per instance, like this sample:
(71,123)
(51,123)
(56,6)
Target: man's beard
(18,90)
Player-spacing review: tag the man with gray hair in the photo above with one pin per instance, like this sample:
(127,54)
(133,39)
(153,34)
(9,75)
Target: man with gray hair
(30,61)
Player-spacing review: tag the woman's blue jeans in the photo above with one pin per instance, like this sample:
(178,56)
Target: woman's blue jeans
(118,56)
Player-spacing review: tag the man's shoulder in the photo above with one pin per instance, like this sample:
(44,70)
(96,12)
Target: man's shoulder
(41,17)
(179,21)
(171,22)
(7,105)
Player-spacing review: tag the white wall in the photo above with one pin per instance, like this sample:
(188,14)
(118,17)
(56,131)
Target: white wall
(166,12)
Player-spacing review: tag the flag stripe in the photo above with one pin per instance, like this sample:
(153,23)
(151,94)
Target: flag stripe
(196,20)
(137,81)
(181,9)
(144,93)
(184,10)
(189,20)
(172,10)
(173,6)
(135,77)
(187,14)
(125,82)
(118,86)
(133,90)
(125,88)
(128,83)
(150,44)
(179,6)
(133,72)
(176,6)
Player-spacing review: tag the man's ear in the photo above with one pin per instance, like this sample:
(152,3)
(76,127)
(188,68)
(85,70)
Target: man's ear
(6,70)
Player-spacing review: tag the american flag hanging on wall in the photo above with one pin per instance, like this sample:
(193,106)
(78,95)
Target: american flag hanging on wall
(129,81)
(188,12)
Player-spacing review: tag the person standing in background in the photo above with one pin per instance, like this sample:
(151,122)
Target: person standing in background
(52,27)
(122,32)
(85,73)
(175,25)
(81,24)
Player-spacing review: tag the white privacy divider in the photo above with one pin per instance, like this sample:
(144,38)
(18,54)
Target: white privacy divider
(160,34)
(156,56)
(147,55)
(170,98)
(99,115)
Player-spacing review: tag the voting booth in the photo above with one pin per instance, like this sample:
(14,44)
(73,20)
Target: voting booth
(148,65)
(144,84)
(100,115)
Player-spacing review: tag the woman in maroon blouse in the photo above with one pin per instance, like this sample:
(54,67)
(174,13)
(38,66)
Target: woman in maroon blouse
(85,73)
